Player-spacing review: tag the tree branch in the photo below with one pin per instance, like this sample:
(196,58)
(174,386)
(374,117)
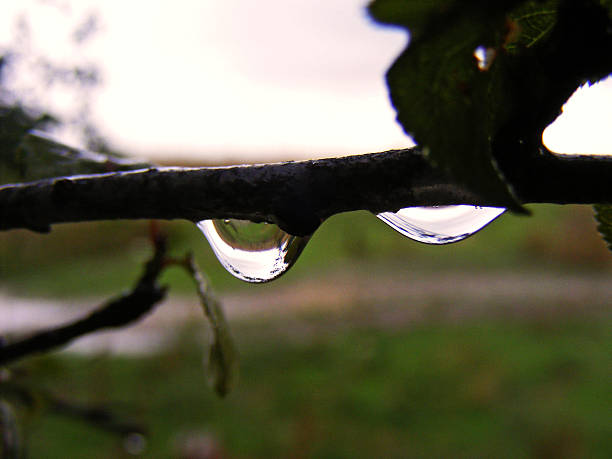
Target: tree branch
(297,196)
(100,416)
(36,398)
(116,313)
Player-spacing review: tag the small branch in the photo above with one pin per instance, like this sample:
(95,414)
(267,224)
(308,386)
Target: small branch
(297,196)
(116,313)
(99,416)
(10,444)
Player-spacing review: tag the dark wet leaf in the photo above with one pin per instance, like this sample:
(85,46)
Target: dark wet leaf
(603,215)
(15,124)
(37,156)
(223,356)
(474,121)
(530,24)
(440,94)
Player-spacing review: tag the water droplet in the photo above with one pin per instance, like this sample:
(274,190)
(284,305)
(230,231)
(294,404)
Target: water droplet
(253,252)
(484,57)
(440,225)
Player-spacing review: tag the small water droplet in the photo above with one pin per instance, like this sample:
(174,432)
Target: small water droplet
(484,57)
(440,225)
(253,252)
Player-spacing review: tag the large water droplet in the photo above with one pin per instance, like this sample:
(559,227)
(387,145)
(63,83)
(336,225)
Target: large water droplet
(440,225)
(253,252)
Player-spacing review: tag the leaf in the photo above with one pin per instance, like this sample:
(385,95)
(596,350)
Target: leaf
(476,121)
(608,5)
(15,123)
(603,215)
(38,157)
(530,24)
(440,95)
(223,356)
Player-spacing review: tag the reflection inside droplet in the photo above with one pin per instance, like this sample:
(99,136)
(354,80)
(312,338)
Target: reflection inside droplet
(253,252)
(440,225)
(484,57)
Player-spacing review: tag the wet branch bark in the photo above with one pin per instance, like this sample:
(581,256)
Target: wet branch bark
(296,195)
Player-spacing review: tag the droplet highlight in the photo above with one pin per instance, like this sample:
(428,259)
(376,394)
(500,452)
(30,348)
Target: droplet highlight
(252,252)
(440,225)
(484,57)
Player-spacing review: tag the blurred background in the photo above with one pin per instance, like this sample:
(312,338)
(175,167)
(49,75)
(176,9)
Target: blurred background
(372,345)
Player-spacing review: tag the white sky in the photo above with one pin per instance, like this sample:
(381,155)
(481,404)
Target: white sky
(252,80)
(585,126)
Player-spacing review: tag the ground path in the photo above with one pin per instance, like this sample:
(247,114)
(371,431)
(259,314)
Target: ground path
(390,300)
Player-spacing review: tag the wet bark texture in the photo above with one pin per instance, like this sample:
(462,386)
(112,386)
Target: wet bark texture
(297,196)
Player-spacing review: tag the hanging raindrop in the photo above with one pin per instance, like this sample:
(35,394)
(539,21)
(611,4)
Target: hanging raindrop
(440,225)
(253,252)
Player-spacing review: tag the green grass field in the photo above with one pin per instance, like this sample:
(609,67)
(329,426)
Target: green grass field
(478,389)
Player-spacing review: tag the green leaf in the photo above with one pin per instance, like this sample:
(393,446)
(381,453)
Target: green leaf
(222,356)
(608,5)
(440,94)
(459,111)
(478,119)
(38,157)
(530,24)
(415,14)
(603,215)
(15,123)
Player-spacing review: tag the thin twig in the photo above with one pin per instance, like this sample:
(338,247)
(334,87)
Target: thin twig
(116,313)
(10,445)
(100,416)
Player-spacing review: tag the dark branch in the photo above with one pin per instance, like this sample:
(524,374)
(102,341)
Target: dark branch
(99,416)
(296,195)
(116,313)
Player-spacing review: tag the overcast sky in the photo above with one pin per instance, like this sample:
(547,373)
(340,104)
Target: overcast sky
(255,80)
